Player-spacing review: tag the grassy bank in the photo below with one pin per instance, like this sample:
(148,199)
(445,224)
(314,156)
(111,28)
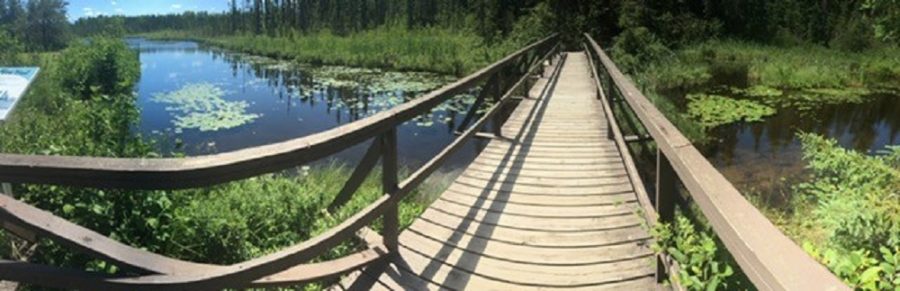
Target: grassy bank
(438,50)
(796,67)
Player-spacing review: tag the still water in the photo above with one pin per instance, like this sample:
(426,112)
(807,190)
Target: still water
(199,100)
(765,158)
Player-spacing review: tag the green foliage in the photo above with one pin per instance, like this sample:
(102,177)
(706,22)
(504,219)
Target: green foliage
(855,209)
(10,47)
(250,218)
(800,67)
(887,18)
(46,26)
(103,66)
(697,254)
(392,48)
(861,269)
(854,34)
(714,110)
(202,106)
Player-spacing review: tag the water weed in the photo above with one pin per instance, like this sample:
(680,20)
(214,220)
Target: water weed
(201,106)
(714,110)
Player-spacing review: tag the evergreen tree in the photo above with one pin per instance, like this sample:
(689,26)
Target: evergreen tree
(46,27)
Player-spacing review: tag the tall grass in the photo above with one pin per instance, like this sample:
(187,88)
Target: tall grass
(794,67)
(441,50)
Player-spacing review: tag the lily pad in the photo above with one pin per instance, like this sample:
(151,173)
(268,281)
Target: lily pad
(201,106)
(715,110)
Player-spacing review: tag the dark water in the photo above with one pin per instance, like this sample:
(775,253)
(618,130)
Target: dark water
(765,158)
(288,100)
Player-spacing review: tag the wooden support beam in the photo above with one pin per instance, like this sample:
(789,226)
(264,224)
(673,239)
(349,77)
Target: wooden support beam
(390,183)
(6,189)
(498,95)
(359,175)
(470,115)
(666,192)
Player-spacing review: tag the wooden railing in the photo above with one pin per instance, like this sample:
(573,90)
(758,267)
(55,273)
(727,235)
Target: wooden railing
(149,271)
(766,256)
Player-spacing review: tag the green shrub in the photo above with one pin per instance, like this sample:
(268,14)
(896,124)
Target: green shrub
(854,35)
(10,47)
(855,212)
(246,219)
(99,67)
(697,253)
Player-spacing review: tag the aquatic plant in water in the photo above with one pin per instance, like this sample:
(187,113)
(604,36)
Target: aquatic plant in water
(802,99)
(758,91)
(201,106)
(715,110)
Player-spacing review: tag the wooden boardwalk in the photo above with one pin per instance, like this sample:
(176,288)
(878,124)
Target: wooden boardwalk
(551,207)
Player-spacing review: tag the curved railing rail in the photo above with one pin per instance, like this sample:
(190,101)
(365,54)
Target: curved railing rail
(768,258)
(288,267)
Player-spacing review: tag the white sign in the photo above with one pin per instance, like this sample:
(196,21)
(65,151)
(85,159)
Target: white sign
(14,81)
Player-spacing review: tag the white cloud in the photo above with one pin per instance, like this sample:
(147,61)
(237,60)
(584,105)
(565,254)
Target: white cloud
(176,6)
(114,3)
(90,12)
(120,10)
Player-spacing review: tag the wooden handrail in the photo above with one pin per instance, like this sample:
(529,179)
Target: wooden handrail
(192,172)
(769,258)
(282,268)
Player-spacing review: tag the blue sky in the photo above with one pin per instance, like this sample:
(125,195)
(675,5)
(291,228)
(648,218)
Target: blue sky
(83,8)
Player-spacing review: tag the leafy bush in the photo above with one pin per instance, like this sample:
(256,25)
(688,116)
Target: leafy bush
(101,66)
(247,219)
(854,213)
(9,47)
(697,254)
(854,35)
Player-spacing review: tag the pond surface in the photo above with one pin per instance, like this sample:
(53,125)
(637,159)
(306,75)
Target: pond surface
(199,100)
(765,158)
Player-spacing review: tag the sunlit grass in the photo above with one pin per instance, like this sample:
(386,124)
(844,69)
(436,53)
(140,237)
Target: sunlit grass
(439,50)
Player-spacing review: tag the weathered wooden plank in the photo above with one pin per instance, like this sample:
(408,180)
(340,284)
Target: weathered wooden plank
(611,172)
(523,189)
(561,201)
(509,261)
(550,167)
(528,159)
(532,149)
(547,181)
(451,212)
(458,274)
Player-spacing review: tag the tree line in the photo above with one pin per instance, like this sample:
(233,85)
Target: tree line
(284,17)
(38,25)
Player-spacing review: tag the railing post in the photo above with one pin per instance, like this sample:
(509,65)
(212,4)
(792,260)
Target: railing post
(498,95)
(6,188)
(666,191)
(390,183)
(610,96)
